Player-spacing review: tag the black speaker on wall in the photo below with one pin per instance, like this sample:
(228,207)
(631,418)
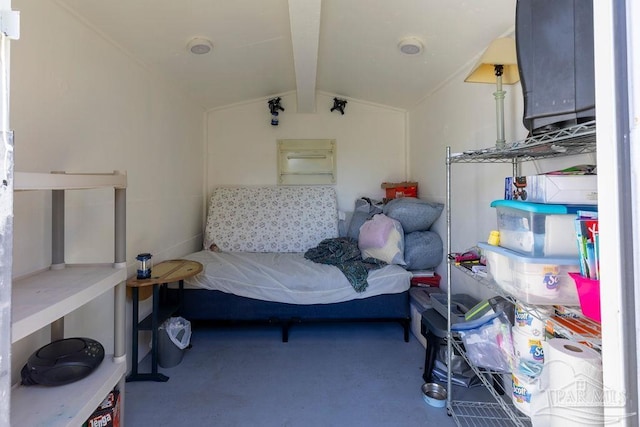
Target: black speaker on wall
(554,46)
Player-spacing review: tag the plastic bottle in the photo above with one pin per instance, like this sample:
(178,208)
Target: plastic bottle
(494,238)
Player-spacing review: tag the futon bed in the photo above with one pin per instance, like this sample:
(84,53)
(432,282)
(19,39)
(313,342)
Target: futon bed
(257,266)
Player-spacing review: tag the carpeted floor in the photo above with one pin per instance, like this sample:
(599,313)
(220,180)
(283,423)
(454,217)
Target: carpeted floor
(326,375)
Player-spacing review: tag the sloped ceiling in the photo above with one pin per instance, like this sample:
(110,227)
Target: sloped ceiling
(264,48)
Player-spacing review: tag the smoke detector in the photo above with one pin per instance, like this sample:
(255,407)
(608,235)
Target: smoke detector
(199,46)
(411,46)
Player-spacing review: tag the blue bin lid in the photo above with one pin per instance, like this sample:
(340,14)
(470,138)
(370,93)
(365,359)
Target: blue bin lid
(542,208)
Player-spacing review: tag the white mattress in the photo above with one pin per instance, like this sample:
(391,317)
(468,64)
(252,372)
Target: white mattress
(288,278)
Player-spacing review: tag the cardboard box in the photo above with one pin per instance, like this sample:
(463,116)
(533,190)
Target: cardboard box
(107,414)
(557,189)
(400,189)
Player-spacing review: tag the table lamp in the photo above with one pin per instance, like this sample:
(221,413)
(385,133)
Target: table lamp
(498,64)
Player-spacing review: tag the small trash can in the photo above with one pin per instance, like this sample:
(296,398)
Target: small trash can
(174,336)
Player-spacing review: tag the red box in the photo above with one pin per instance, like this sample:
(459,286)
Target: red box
(107,414)
(400,189)
(426,281)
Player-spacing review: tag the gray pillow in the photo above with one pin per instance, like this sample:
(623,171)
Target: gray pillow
(357,220)
(364,209)
(414,214)
(422,250)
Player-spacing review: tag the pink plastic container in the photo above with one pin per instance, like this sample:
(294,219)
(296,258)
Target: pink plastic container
(589,294)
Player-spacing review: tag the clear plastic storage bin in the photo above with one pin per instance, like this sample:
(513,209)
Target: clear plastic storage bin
(538,229)
(532,280)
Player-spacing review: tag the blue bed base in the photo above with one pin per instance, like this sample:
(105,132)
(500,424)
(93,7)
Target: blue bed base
(216,307)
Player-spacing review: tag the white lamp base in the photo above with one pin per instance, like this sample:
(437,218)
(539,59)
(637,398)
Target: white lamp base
(499,96)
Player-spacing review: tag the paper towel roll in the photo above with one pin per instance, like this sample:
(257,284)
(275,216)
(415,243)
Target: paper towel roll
(527,346)
(529,323)
(573,377)
(540,411)
(525,389)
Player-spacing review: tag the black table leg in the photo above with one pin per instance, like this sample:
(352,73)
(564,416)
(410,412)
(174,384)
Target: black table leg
(154,329)
(431,353)
(154,375)
(134,335)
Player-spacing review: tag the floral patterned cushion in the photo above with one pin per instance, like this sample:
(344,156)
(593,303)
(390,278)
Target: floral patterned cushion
(270,219)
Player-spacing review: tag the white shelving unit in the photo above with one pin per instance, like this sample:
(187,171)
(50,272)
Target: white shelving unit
(45,297)
(580,139)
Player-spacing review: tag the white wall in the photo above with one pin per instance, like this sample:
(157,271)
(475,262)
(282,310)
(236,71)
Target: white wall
(80,104)
(462,115)
(370,144)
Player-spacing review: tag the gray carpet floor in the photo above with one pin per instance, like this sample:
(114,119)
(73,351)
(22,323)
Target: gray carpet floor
(326,375)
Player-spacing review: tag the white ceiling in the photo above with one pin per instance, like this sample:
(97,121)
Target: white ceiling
(264,48)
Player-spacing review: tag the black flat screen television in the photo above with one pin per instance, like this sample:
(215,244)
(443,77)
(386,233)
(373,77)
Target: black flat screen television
(554,45)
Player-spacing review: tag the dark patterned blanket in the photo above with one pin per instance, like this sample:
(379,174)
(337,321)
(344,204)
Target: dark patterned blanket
(343,252)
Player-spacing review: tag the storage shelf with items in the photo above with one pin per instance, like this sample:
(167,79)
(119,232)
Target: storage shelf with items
(567,322)
(558,320)
(500,412)
(579,139)
(44,298)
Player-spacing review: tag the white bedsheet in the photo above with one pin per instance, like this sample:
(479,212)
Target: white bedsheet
(288,278)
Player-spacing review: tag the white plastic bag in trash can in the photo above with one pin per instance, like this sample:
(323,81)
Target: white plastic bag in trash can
(179,331)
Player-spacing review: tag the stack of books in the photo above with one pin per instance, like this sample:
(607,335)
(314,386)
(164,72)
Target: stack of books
(425,278)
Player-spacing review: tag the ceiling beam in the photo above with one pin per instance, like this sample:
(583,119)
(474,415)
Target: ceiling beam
(304,17)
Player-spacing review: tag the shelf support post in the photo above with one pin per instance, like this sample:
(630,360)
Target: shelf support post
(120,249)
(57,229)
(120,258)
(448,289)
(57,329)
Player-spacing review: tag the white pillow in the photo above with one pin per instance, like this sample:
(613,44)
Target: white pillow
(385,230)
